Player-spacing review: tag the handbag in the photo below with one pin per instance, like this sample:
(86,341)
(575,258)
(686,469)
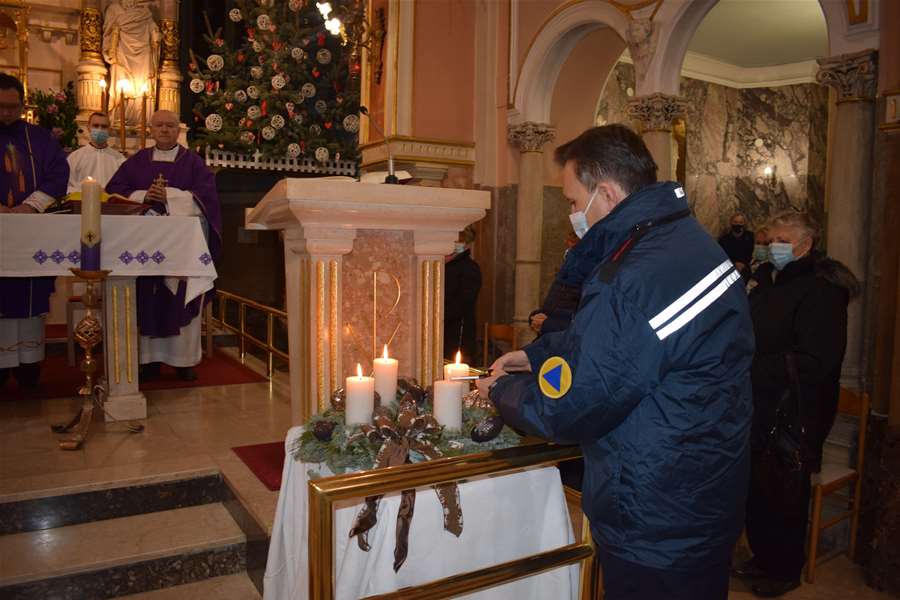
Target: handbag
(780,469)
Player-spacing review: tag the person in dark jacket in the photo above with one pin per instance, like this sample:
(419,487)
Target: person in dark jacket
(738,243)
(651,378)
(562,298)
(463,283)
(801,316)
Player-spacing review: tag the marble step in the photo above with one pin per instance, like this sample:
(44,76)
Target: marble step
(115,557)
(123,499)
(229,587)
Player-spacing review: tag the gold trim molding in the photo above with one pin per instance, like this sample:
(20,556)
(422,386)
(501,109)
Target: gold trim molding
(419,150)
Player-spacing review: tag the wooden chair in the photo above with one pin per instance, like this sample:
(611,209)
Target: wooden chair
(834,477)
(494,332)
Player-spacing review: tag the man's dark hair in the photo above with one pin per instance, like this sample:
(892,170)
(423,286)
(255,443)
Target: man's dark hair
(612,152)
(98,114)
(8,82)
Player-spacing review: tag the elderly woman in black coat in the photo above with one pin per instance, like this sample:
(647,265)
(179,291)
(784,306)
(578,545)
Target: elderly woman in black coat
(800,323)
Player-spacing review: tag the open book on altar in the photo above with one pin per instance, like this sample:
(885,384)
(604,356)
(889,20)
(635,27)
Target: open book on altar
(111,204)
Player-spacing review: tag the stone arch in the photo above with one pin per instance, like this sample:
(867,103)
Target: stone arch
(550,48)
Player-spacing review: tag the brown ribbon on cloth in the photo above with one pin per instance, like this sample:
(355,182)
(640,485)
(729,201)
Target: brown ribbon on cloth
(397,439)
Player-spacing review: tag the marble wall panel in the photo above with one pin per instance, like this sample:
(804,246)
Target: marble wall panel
(733,135)
(556,227)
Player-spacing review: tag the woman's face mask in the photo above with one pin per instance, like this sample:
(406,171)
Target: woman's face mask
(579,219)
(781,254)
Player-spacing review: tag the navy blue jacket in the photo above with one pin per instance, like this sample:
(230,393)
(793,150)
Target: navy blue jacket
(565,291)
(660,353)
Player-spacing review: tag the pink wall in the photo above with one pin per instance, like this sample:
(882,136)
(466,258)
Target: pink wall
(578,89)
(444,70)
(532,14)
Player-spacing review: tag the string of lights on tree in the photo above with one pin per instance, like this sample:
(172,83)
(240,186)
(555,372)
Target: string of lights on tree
(290,87)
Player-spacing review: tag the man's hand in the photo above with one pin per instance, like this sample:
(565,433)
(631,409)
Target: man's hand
(156,193)
(516,361)
(23,209)
(537,321)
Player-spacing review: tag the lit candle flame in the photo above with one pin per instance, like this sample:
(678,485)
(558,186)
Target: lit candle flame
(145,89)
(385,355)
(458,357)
(124,86)
(359,370)
(102,84)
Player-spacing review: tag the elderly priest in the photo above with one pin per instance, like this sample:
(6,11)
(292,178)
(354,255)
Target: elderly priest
(174,181)
(33,174)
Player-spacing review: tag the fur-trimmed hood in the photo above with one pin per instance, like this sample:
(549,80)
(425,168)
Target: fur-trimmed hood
(837,273)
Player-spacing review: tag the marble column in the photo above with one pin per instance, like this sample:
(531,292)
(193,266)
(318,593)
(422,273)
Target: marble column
(430,248)
(656,114)
(313,259)
(853,78)
(529,138)
(91,68)
(169,95)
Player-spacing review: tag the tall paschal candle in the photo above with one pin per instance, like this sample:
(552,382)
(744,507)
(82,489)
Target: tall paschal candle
(90,225)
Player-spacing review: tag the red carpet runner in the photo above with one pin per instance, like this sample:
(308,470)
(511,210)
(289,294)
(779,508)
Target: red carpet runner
(265,460)
(59,380)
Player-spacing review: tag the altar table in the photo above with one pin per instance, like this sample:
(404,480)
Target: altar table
(132,246)
(504,518)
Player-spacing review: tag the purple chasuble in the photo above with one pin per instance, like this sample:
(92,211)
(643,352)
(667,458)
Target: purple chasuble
(32,160)
(159,312)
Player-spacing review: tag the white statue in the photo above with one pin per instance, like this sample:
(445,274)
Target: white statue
(131,41)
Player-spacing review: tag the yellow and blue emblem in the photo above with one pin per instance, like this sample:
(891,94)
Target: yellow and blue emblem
(555,377)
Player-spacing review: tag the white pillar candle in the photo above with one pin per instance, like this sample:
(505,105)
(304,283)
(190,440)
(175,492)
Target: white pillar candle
(386,377)
(448,403)
(360,400)
(457,369)
(90,224)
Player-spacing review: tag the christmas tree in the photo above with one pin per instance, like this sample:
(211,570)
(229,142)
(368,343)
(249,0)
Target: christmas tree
(288,87)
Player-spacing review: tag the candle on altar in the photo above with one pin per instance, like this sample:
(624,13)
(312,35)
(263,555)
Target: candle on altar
(123,85)
(386,377)
(90,225)
(360,398)
(104,96)
(457,369)
(145,90)
(448,403)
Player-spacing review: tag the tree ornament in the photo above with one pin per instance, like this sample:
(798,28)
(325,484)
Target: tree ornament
(295,5)
(316,73)
(215,62)
(355,69)
(210,88)
(256,72)
(277,121)
(261,59)
(328,124)
(339,99)
(240,96)
(235,15)
(253,92)
(293,150)
(323,56)
(219,42)
(197,85)
(251,34)
(214,122)
(229,106)
(298,119)
(351,123)
(257,46)
(253,112)
(276,46)
(297,53)
(315,129)
(322,154)
(241,57)
(264,106)
(278,82)
(263,21)
(289,106)
(321,106)
(320,39)
(248,137)
(268,133)
(308,90)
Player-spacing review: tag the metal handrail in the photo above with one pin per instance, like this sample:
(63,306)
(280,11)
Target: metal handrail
(241,328)
(325,492)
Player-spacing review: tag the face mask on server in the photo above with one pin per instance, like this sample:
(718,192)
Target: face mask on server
(579,219)
(99,136)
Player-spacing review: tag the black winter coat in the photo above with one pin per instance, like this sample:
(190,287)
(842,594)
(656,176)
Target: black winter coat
(804,312)
(738,249)
(462,277)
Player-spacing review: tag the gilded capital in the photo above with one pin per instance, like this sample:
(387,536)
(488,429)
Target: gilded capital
(91,33)
(852,76)
(656,111)
(530,136)
(169,30)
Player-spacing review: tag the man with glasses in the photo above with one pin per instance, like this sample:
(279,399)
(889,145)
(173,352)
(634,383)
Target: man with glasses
(34,172)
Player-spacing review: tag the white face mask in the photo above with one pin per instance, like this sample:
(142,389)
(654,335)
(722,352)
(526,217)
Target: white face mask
(579,219)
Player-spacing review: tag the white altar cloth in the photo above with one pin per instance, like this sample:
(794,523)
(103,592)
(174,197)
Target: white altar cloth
(132,246)
(504,518)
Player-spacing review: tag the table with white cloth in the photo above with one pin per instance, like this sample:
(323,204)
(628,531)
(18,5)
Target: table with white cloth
(132,246)
(504,518)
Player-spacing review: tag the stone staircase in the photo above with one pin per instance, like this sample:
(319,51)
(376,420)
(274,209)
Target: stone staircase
(182,537)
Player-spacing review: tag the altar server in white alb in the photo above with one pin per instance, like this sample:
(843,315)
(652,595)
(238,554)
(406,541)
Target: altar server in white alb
(95,160)
(174,181)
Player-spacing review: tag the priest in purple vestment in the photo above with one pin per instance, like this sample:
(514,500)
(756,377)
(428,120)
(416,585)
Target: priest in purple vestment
(174,181)
(33,174)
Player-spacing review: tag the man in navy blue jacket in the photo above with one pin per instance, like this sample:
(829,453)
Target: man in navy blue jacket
(651,378)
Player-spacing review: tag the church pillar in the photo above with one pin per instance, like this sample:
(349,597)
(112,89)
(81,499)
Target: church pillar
(313,260)
(656,113)
(529,138)
(853,78)
(169,94)
(91,69)
(430,247)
